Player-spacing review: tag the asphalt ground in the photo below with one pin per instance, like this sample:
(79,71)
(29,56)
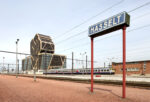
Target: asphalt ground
(24,89)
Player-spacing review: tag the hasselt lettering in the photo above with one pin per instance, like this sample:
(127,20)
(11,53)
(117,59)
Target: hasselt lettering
(104,25)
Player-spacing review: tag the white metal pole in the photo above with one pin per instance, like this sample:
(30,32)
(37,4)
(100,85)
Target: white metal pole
(3,63)
(16,60)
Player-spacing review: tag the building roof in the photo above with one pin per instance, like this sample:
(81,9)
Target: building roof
(131,62)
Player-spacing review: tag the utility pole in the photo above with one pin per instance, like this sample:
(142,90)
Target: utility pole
(110,62)
(3,64)
(8,69)
(86,64)
(18,66)
(17,58)
(72,62)
(86,61)
(104,64)
(82,54)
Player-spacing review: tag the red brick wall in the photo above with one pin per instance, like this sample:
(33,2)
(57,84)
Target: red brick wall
(147,68)
(118,67)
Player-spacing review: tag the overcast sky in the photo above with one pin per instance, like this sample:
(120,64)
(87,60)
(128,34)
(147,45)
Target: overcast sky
(24,18)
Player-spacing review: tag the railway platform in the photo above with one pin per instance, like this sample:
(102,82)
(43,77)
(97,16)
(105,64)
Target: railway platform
(135,81)
(24,89)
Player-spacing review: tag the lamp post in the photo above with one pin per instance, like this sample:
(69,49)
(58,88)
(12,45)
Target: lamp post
(82,54)
(17,70)
(110,61)
(3,64)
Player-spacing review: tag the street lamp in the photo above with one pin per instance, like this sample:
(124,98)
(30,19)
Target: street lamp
(82,54)
(110,61)
(17,70)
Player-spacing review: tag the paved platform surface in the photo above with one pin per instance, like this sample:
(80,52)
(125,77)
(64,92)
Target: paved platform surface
(104,77)
(24,89)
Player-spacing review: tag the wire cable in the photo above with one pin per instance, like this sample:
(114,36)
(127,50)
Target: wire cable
(60,42)
(108,37)
(37,55)
(89,19)
(71,37)
(139,7)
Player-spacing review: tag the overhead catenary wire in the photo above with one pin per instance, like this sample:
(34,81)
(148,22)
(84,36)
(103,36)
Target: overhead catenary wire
(128,51)
(35,55)
(76,59)
(13,52)
(134,46)
(113,35)
(71,37)
(145,4)
(87,20)
(86,30)
(138,28)
(68,38)
(8,63)
(118,58)
(143,15)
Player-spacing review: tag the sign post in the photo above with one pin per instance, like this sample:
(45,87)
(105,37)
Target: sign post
(124,63)
(92,64)
(119,21)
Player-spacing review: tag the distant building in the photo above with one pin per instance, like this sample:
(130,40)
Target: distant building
(42,56)
(27,63)
(133,67)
